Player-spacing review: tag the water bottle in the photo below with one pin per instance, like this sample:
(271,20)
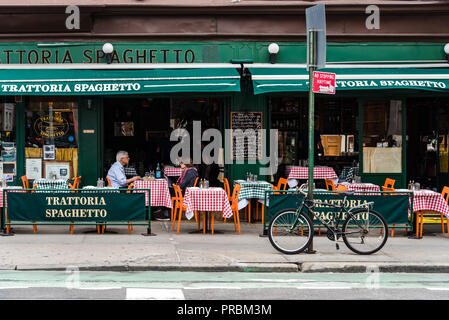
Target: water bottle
(98,183)
(158,171)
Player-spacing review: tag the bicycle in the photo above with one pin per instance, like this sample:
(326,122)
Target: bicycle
(364,231)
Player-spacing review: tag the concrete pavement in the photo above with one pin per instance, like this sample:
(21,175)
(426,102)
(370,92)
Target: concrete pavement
(53,248)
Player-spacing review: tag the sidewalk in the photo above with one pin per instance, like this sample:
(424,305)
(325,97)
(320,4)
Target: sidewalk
(53,248)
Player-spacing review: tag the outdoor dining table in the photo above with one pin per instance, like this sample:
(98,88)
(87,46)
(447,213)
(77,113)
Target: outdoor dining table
(297,173)
(170,171)
(426,201)
(8,188)
(43,184)
(206,200)
(252,190)
(365,187)
(160,194)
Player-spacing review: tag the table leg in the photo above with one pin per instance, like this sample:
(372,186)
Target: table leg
(249,211)
(204,222)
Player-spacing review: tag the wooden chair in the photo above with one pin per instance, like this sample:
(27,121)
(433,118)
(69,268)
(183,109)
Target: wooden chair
(330,185)
(389,183)
(196,182)
(342,188)
(179,207)
(108,181)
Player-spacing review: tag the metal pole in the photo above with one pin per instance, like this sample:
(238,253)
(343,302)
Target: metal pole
(312,67)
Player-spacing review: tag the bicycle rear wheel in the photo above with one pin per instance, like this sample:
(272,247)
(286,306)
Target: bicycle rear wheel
(286,238)
(365,231)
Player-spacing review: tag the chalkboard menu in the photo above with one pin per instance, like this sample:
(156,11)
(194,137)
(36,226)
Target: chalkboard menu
(246,135)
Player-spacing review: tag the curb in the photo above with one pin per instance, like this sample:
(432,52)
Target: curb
(355,267)
(241,267)
(305,267)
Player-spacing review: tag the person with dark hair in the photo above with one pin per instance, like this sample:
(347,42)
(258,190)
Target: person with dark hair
(188,175)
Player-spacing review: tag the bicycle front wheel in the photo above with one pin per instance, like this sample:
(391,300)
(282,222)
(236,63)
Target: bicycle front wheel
(365,231)
(290,233)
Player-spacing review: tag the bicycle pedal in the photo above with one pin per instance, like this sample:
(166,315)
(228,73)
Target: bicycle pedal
(337,246)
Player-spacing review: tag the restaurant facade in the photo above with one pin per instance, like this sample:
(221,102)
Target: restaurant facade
(66,102)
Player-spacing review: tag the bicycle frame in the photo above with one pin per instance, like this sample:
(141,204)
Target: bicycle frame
(310,204)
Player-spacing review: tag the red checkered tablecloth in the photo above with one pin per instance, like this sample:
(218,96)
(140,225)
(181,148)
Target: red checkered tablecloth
(318,173)
(172,171)
(207,199)
(426,200)
(160,195)
(362,187)
(15,188)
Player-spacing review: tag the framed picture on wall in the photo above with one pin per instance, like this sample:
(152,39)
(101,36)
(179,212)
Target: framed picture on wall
(33,168)
(58,169)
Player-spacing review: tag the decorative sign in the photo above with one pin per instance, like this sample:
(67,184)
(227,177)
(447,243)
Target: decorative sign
(51,126)
(323,82)
(33,168)
(246,135)
(94,206)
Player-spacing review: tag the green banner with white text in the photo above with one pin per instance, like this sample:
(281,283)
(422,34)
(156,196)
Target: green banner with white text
(89,207)
(394,208)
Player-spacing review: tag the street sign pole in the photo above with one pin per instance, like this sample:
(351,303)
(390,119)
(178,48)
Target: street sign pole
(316,59)
(312,67)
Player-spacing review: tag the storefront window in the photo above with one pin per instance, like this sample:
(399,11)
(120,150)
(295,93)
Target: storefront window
(382,136)
(7,139)
(51,143)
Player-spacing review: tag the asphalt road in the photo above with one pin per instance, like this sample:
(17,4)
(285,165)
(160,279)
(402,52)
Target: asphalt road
(73,284)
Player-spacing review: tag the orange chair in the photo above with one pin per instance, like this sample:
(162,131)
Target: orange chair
(330,185)
(282,184)
(227,188)
(389,189)
(235,207)
(179,207)
(25,183)
(109,181)
(75,185)
(342,188)
(445,194)
(420,215)
(389,183)
(196,182)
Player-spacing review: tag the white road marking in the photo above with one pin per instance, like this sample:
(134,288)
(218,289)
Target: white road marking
(205,288)
(438,289)
(325,288)
(154,294)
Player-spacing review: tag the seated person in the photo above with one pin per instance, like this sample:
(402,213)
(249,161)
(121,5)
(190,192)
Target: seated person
(116,173)
(188,175)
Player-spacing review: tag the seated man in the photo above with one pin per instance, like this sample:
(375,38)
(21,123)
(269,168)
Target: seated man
(116,173)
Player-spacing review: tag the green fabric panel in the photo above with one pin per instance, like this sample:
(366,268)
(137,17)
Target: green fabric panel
(393,208)
(93,207)
(372,79)
(100,82)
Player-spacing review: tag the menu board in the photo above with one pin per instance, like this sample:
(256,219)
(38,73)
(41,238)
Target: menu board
(246,135)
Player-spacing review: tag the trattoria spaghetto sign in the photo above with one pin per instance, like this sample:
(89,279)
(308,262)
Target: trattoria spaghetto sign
(89,207)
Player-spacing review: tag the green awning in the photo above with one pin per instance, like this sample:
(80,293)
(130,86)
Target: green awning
(101,82)
(266,80)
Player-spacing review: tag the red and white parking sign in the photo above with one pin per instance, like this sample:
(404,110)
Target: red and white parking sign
(323,82)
